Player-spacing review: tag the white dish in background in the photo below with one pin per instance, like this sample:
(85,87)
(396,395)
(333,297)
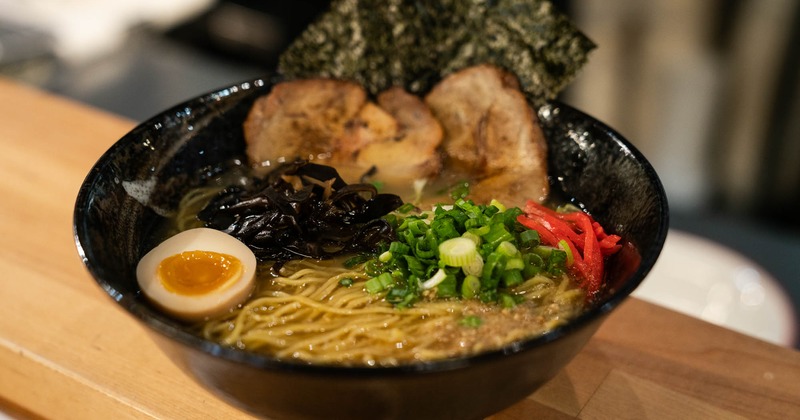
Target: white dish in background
(706,280)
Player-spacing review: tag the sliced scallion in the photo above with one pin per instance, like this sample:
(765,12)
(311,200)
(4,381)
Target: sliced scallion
(471,321)
(435,280)
(447,287)
(461,250)
(512,278)
(508,249)
(507,300)
(470,287)
(516,263)
(529,238)
(497,204)
(458,252)
(472,237)
(564,246)
(497,234)
(474,268)
(399,248)
(379,283)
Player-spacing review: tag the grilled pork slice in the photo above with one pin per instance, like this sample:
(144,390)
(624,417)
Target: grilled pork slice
(301,118)
(333,122)
(491,131)
(412,149)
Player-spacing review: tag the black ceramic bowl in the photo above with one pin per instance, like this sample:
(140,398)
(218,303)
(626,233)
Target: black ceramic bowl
(142,177)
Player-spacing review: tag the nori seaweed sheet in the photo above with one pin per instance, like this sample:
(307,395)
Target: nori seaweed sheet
(415,43)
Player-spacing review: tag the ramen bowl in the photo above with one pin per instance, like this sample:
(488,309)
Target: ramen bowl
(142,177)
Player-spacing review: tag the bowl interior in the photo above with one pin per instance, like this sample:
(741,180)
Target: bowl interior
(140,180)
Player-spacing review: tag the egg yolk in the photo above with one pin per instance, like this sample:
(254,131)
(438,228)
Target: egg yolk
(194,273)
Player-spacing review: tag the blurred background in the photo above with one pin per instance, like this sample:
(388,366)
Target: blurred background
(708,91)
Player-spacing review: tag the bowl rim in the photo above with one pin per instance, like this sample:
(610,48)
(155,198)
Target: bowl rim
(264,362)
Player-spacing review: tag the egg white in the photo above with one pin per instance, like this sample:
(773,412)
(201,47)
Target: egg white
(197,307)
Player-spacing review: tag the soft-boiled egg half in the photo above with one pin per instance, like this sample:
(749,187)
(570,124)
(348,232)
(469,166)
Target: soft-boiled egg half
(197,273)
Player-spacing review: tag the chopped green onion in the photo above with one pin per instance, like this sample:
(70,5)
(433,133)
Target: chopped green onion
(472,237)
(512,278)
(474,268)
(470,224)
(406,208)
(397,294)
(458,252)
(444,228)
(392,220)
(374,267)
(497,233)
(508,249)
(386,280)
(461,250)
(379,283)
(401,297)
(488,295)
(399,248)
(497,204)
(423,251)
(471,321)
(415,266)
(399,273)
(516,263)
(479,231)
(543,251)
(373,285)
(356,260)
(529,237)
(491,211)
(418,227)
(470,287)
(495,264)
(435,280)
(346,282)
(534,265)
(507,300)
(447,287)
(556,262)
(564,246)
(469,207)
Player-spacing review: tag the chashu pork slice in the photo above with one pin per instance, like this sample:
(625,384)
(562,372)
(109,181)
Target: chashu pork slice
(491,132)
(301,119)
(334,123)
(411,150)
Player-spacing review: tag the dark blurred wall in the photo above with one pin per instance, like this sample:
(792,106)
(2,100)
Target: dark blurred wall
(709,91)
(249,31)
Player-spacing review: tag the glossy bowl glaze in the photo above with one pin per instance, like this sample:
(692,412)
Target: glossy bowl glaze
(142,177)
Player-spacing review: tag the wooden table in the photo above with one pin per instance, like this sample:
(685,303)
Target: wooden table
(68,351)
